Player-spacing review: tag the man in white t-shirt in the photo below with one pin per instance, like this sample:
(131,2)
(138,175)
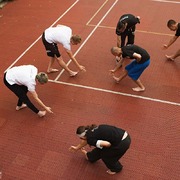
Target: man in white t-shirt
(20,80)
(60,35)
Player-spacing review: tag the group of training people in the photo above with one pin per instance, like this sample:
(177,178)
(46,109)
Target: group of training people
(126,49)
(23,79)
(110,142)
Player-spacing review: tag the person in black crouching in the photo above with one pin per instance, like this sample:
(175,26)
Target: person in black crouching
(110,143)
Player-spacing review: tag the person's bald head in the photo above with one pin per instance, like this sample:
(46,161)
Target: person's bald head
(116,51)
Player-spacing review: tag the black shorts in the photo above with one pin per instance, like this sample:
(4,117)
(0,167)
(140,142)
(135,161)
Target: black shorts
(51,48)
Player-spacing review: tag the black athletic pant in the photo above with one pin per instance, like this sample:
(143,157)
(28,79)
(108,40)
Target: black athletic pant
(21,93)
(130,37)
(111,156)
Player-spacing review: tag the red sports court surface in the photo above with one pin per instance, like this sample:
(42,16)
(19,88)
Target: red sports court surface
(34,148)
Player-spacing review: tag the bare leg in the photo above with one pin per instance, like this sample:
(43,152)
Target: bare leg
(50,69)
(140,86)
(173,57)
(118,79)
(63,65)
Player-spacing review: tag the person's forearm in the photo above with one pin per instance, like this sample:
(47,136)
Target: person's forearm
(118,41)
(116,68)
(105,144)
(71,56)
(137,56)
(40,102)
(101,143)
(171,41)
(119,64)
(81,145)
(75,62)
(138,59)
(35,96)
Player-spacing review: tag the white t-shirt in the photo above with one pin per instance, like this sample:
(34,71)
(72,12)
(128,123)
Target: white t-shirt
(22,75)
(60,34)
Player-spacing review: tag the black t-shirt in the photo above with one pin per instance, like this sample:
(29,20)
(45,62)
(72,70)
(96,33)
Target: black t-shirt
(104,132)
(178,30)
(129,50)
(131,21)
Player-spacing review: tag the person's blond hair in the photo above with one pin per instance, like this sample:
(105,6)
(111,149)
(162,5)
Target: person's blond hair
(76,39)
(42,77)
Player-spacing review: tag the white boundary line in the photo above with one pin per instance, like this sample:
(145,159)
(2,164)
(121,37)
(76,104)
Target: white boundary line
(97,12)
(88,87)
(115,92)
(87,38)
(40,35)
(99,89)
(141,31)
(164,1)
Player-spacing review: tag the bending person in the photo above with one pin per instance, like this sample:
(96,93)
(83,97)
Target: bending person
(173,26)
(125,29)
(20,80)
(135,68)
(60,35)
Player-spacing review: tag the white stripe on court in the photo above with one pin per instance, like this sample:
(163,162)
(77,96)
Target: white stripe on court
(96,12)
(118,93)
(40,36)
(87,38)
(164,1)
(147,32)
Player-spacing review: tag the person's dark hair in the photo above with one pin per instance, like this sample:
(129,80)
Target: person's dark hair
(81,129)
(42,77)
(171,22)
(120,25)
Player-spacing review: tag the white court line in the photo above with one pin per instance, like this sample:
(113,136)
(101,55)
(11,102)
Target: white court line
(88,87)
(164,1)
(104,90)
(115,92)
(87,38)
(97,12)
(147,32)
(40,35)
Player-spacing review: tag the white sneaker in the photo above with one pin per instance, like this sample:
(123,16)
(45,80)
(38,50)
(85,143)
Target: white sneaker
(41,113)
